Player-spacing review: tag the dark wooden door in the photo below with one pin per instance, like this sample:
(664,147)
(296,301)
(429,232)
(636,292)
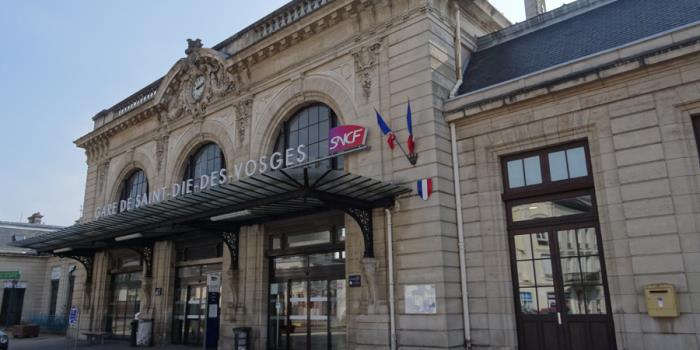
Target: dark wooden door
(12,302)
(560,289)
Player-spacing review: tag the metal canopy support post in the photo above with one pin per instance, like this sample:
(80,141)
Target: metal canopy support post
(231,239)
(363,217)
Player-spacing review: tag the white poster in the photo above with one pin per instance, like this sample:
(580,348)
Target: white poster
(56,273)
(420,299)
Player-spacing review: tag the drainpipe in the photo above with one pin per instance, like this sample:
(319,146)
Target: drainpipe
(460,235)
(390,258)
(458,49)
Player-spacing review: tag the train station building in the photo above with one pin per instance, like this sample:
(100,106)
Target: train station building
(353,174)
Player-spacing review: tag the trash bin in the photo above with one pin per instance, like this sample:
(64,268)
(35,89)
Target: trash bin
(143,336)
(241,338)
(134,329)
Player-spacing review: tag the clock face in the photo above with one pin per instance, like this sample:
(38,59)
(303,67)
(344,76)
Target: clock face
(198,87)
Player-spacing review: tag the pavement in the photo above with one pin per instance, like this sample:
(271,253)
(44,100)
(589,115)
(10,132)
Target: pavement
(53,342)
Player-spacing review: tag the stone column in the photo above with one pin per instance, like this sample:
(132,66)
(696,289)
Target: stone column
(162,291)
(96,294)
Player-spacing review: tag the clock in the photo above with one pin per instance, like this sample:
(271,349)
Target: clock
(198,87)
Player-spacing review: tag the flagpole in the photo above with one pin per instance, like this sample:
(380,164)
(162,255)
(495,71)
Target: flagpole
(411,158)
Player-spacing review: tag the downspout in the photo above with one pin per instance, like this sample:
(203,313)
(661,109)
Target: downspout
(458,49)
(456,181)
(460,235)
(390,259)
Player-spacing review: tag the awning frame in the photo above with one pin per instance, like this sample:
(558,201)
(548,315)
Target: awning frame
(270,195)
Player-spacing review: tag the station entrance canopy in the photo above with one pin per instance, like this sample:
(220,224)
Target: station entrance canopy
(227,207)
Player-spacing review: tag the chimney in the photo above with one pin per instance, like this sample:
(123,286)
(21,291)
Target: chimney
(35,218)
(534,8)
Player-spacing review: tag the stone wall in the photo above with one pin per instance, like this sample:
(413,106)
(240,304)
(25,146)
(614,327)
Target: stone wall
(32,271)
(646,175)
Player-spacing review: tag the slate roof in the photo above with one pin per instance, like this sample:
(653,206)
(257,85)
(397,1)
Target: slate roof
(9,229)
(598,29)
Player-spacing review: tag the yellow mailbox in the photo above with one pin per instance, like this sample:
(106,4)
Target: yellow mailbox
(662,300)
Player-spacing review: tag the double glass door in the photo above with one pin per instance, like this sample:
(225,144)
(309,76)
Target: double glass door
(308,314)
(561,289)
(124,303)
(190,314)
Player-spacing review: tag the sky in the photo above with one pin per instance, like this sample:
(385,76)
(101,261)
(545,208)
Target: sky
(64,61)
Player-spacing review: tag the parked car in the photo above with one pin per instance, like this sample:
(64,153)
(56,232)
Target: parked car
(4,340)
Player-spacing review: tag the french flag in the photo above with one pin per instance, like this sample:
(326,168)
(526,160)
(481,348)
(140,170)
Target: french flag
(409,121)
(386,130)
(425,188)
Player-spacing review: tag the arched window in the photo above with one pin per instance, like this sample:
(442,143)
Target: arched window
(134,185)
(208,159)
(310,126)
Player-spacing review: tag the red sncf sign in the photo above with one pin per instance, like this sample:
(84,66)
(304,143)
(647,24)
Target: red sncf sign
(345,137)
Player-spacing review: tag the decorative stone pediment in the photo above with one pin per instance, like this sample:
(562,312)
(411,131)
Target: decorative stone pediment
(195,82)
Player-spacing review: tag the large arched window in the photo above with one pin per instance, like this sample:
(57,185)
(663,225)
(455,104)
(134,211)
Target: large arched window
(208,159)
(134,185)
(310,126)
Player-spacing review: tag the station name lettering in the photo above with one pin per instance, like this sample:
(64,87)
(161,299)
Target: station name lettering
(290,157)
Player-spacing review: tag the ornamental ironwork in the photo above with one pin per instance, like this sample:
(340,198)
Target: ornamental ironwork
(231,238)
(363,217)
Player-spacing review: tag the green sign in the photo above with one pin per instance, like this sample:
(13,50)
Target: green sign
(9,275)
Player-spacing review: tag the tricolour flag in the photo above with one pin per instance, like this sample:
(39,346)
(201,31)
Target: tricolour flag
(425,188)
(410,142)
(386,130)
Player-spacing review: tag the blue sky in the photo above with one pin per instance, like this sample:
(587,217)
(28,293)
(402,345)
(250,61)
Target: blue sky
(64,61)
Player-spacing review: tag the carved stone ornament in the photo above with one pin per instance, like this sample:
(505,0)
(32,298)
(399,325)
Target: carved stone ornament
(366,59)
(244,113)
(97,150)
(102,171)
(161,140)
(200,80)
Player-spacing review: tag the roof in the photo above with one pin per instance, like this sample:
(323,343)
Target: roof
(555,41)
(8,230)
(259,198)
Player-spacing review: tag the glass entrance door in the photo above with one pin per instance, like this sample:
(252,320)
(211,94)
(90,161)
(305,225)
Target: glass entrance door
(561,289)
(196,313)
(307,314)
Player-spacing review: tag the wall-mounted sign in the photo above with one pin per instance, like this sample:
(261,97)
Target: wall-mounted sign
(213,282)
(56,273)
(73,317)
(354,281)
(420,299)
(15,284)
(9,275)
(346,137)
(292,157)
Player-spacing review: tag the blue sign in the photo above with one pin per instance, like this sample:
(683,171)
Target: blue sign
(73,316)
(354,281)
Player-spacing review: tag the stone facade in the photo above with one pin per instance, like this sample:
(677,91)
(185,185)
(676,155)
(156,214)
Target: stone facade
(353,56)
(636,118)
